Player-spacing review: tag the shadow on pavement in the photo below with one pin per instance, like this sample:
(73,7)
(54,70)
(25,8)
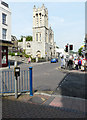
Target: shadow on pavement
(74,85)
(17,109)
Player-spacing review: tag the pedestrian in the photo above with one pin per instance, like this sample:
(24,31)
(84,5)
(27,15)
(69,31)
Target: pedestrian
(83,64)
(29,60)
(76,64)
(79,63)
(70,63)
(62,62)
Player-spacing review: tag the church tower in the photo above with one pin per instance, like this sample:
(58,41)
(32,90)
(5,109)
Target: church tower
(40,24)
(40,30)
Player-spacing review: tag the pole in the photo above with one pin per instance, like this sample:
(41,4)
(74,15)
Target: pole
(15,60)
(16,87)
(31,87)
(9,64)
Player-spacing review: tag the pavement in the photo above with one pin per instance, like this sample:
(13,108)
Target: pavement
(43,106)
(21,65)
(71,71)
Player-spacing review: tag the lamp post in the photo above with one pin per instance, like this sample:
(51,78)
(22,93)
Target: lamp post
(15,60)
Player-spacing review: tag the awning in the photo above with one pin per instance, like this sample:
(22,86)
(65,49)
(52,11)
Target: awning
(6,43)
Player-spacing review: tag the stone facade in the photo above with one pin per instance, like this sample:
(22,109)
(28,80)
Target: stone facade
(43,44)
(5,22)
(86,46)
(5,33)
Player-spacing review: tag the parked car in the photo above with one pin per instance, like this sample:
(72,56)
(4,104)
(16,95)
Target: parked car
(54,60)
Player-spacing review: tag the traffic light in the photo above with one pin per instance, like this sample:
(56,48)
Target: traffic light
(71,47)
(66,49)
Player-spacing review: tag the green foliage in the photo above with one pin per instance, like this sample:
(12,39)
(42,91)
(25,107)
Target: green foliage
(80,51)
(23,52)
(28,38)
(27,56)
(12,54)
(21,40)
(33,60)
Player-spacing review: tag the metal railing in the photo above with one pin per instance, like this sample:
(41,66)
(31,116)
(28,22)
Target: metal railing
(7,82)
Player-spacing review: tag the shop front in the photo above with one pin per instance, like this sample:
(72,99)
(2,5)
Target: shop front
(4,53)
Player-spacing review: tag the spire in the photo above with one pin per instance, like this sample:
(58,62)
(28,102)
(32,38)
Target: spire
(34,7)
(43,6)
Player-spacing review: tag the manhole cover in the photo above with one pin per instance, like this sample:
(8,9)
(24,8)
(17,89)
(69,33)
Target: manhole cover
(38,100)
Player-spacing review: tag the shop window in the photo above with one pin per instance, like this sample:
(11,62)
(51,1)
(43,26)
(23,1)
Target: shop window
(4,56)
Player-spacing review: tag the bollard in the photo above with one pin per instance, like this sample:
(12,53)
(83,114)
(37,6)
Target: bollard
(31,87)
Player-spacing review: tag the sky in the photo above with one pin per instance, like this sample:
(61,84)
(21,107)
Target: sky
(67,20)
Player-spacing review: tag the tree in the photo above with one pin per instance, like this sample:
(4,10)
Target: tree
(29,38)
(80,51)
(21,40)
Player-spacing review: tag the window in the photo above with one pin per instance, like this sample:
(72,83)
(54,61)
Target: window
(37,17)
(40,37)
(36,37)
(4,31)
(4,18)
(4,56)
(28,45)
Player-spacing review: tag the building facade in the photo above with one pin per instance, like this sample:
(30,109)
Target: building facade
(86,46)
(43,44)
(5,33)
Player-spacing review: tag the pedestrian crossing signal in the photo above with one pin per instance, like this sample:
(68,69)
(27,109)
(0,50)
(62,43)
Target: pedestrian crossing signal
(71,47)
(66,49)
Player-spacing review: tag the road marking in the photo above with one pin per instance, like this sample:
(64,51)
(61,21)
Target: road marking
(43,99)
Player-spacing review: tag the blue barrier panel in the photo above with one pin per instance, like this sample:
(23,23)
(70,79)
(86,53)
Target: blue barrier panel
(31,87)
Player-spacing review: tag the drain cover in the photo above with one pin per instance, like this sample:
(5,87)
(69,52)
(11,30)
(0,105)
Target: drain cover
(38,100)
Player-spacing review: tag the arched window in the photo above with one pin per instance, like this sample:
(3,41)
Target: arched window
(37,37)
(38,53)
(40,36)
(28,45)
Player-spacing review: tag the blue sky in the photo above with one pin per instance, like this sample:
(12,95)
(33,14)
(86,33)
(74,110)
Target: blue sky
(66,19)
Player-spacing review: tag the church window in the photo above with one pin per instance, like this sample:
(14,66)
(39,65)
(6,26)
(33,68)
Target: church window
(40,36)
(37,14)
(36,37)
(28,45)
(40,14)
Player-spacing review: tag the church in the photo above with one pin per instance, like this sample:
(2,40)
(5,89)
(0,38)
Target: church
(43,44)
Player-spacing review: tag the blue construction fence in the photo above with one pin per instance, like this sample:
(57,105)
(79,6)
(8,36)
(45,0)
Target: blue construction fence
(7,82)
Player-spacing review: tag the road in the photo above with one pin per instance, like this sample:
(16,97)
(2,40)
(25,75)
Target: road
(46,76)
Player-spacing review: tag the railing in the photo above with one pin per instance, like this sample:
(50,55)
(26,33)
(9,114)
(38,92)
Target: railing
(7,82)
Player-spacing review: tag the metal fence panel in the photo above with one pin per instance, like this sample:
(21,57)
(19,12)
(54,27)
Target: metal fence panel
(7,83)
